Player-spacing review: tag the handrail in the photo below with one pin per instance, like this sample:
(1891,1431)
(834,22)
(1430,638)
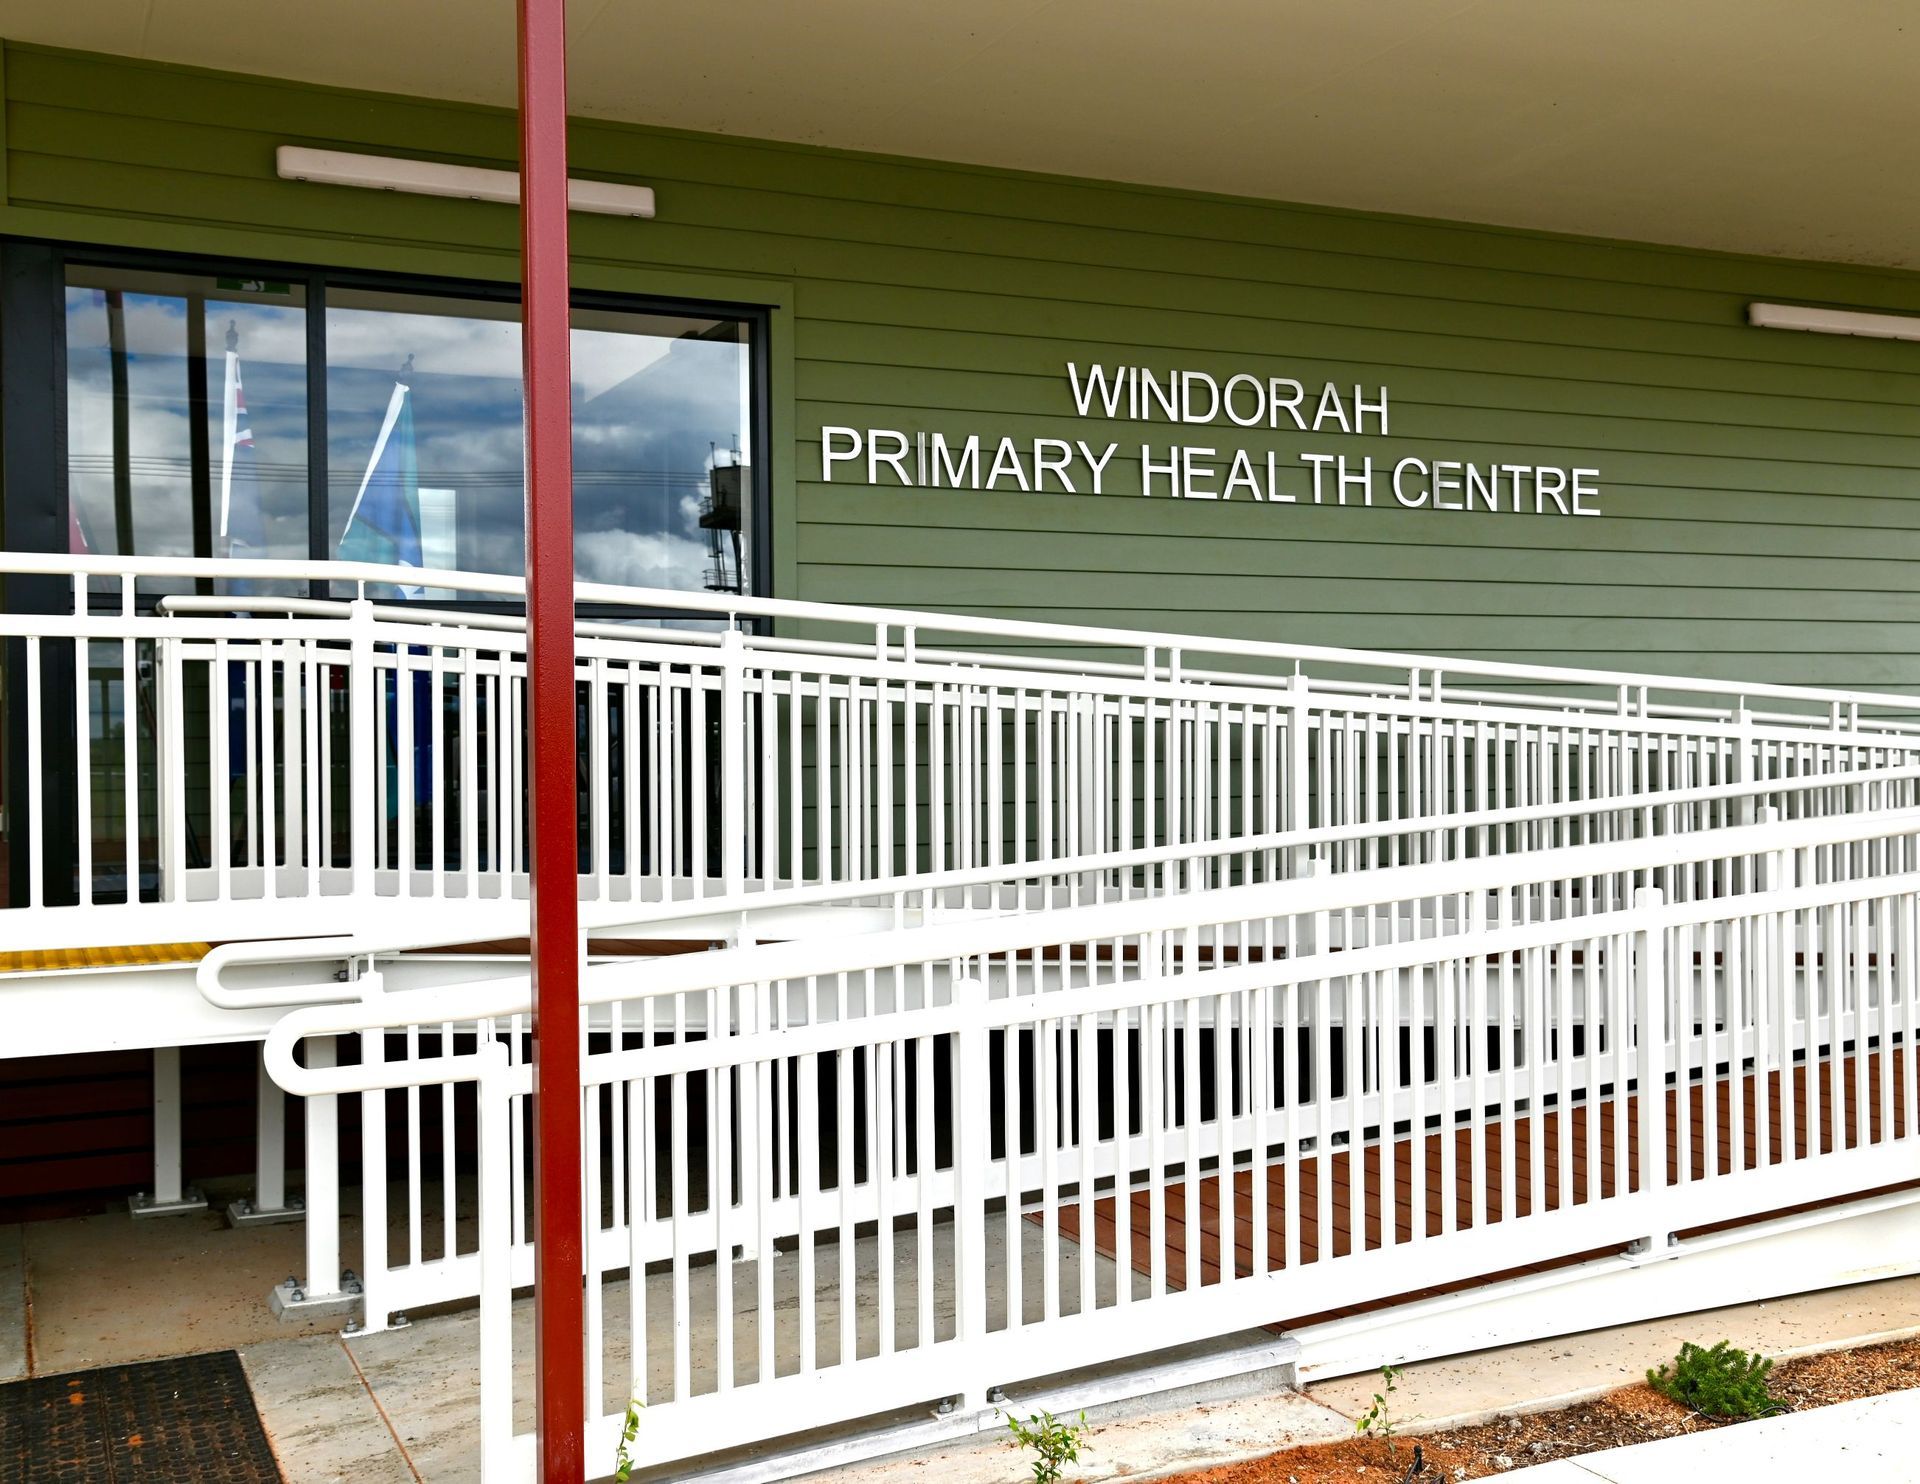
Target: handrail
(763,963)
(736,606)
(1151,988)
(611,918)
(414,613)
(1601,709)
(1301,895)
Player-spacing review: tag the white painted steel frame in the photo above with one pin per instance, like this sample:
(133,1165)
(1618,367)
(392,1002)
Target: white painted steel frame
(877,1002)
(433,1272)
(1046,782)
(837,761)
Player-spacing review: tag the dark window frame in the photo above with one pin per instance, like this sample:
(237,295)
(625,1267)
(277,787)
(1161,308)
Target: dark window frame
(40,501)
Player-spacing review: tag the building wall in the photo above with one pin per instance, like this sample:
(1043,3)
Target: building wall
(73,1128)
(1758,488)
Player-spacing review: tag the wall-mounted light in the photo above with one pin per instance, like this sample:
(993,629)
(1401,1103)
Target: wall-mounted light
(1834,321)
(468,182)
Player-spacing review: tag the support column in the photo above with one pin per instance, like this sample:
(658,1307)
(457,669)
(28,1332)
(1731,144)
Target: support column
(168,1197)
(269,1204)
(559,1302)
(324,1289)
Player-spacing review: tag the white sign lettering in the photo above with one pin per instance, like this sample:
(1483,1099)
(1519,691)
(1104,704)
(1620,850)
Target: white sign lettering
(1183,471)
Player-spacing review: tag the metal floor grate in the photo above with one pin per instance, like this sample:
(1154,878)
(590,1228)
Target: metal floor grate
(190,1419)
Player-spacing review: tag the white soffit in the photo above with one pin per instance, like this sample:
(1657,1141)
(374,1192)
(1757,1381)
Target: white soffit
(1767,126)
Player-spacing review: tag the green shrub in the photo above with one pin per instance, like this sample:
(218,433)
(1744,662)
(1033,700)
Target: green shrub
(1378,1420)
(1721,1382)
(630,1429)
(1055,1442)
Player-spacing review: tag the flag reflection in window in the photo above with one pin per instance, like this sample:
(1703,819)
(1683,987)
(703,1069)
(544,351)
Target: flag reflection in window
(186,414)
(425,447)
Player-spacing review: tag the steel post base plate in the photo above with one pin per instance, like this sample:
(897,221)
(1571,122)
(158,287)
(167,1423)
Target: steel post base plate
(293,1303)
(144,1204)
(245,1213)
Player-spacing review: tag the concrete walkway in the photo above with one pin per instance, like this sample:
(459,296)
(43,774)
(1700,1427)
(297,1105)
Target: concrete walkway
(1181,1434)
(401,1406)
(13,1304)
(1541,1375)
(1148,1439)
(323,1419)
(1870,1441)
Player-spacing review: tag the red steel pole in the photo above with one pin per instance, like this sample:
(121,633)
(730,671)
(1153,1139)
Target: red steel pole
(559,1315)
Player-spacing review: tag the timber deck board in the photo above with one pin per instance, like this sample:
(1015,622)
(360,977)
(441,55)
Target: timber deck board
(1587,1177)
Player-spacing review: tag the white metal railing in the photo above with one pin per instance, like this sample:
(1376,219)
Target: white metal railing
(903,1137)
(428,1257)
(1085,880)
(251,765)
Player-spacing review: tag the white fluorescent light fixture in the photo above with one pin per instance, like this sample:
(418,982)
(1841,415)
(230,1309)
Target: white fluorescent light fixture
(1834,321)
(467,182)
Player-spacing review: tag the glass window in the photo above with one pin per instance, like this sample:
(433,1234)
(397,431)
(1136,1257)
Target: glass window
(186,414)
(424,446)
(187,400)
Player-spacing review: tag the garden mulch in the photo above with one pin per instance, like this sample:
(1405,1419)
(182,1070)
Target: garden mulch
(1633,1414)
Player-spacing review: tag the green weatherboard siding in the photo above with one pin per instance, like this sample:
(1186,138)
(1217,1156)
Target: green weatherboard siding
(1761,511)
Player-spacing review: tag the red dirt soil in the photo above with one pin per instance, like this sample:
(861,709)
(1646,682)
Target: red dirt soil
(1634,1414)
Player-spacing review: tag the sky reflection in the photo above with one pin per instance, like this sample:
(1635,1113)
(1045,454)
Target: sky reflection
(658,401)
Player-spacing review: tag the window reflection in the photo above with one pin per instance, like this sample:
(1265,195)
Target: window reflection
(186,414)
(424,445)
(187,423)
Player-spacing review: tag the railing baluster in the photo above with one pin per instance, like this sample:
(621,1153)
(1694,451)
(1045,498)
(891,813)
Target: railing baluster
(971,1152)
(361,742)
(317,724)
(733,822)
(250,675)
(406,764)
(765,1147)
(262,731)
(130,738)
(220,772)
(640,1137)
(1086,1143)
(469,715)
(83,753)
(680,1214)
(1650,1020)
(438,770)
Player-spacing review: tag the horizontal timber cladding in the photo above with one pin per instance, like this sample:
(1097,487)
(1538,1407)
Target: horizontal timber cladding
(77,1131)
(1759,507)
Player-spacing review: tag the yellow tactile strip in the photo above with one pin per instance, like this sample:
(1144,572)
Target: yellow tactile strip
(41,960)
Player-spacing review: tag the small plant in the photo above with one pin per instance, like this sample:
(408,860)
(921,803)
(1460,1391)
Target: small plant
(623,1460)
(1378,1420)
(1721,1382)
(1055,1442)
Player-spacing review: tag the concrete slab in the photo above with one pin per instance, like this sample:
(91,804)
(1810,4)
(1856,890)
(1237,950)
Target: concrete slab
(13,1304)
(107,1289)
(319,1415)
(1544,1374)
(426,1375)
(1170,1438)
(1870,1441)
